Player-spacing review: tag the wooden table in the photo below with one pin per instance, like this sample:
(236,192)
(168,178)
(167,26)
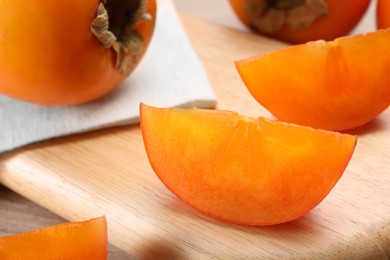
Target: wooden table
(354,220)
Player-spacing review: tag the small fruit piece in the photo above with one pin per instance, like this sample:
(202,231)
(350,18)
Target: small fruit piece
(240,169)
(383,14)
(73,240)
(300,21)
(335,85)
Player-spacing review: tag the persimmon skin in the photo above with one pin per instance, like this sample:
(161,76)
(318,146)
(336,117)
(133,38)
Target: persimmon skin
(72,240)
(49,56)
(323,84)
(383,14)
(342,17)
(243,170)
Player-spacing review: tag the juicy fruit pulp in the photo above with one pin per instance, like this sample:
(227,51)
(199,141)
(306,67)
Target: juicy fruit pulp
(243,170)
(335,85)
(383,14)
(73,240)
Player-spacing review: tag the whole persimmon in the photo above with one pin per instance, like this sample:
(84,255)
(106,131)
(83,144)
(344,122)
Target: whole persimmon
(299,21)
(71,51)
(383,14)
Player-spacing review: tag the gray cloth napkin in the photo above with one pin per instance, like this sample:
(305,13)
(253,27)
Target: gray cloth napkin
(170,74)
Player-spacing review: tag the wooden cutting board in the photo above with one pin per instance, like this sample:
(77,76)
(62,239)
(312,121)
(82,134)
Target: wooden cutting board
(107,172)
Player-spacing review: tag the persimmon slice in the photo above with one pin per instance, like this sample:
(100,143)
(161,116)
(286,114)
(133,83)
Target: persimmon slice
(383,14)
(336,85)
(73,240)
(240,169)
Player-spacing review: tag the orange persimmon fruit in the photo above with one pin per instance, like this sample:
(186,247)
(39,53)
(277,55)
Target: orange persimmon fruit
(383,14)
(240,169)
(72,240)
(336,85)
(71,52)
(300,21)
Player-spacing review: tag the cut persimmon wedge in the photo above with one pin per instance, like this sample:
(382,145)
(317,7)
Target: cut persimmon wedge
(72,240)
(336,85)
(241,169)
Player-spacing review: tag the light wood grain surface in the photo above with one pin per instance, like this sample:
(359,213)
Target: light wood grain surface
(107,172)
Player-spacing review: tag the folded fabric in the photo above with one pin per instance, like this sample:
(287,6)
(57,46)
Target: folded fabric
(170,74)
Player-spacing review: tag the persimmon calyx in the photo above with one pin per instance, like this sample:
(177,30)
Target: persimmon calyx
(114,26)
(269,16)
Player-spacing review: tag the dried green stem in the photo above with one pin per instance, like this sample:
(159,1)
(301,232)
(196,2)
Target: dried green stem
(269,16)
(114,26)
(284,4)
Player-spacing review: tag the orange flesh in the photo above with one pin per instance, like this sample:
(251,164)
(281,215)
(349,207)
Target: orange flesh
(383,14)
(342,17)
(335,85)
(73,240)
(243,170)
